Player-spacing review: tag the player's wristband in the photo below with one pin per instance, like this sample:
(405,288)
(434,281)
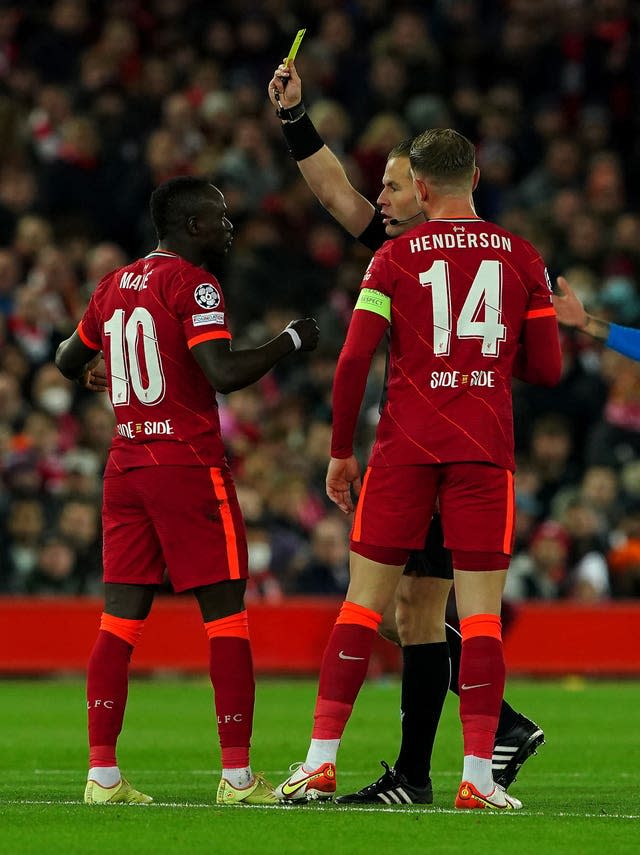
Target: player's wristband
(295,338)
(301,136)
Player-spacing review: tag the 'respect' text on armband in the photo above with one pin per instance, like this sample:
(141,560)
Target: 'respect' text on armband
(375,301)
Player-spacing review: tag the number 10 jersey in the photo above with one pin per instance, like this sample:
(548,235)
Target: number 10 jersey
(145,318)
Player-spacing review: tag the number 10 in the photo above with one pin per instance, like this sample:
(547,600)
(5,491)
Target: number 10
(125,367)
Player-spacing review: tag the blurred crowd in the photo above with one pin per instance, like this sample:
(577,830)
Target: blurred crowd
(102,101)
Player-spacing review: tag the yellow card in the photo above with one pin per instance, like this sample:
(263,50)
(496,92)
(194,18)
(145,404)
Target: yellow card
(294,47)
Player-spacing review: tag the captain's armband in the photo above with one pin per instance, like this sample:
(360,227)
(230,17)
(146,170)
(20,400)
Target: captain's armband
(375,301)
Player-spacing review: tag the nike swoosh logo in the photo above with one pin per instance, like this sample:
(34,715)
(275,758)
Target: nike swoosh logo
(289,789)
(476,686)
(343,655)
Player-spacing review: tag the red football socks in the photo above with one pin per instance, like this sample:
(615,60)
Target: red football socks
(344,667)
(231,670)
(481,682)
(107,687)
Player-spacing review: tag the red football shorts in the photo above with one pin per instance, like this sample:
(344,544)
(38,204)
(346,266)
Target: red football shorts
(184,518)
(476,502)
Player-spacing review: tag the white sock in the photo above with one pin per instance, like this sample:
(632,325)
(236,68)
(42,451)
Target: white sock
(106,776)
(238,778)
(477,771)
(321,751)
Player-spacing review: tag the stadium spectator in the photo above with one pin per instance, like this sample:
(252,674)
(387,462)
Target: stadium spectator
(550,454)
(379,137)
(326,570)
(55,572)
(262,584)
(600,489)
(617,435)
(31,329)
(54,281)
(624,556)
(32,234)
(169,500)
(17,196)
(96,428)
(391,520)
(559,171)
(539,572)
(82,469)
(79,524)
(51,110)
(571,78)
(40,449)
(13,407)
(588,577)
(56,47)
(9,280)
(22,532)
(54,394)
(249,167)
(333,124)
(101,259)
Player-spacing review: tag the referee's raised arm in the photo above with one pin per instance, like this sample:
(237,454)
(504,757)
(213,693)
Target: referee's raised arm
(319,166)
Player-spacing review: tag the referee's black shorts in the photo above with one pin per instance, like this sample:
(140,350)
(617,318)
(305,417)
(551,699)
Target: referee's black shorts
(434,560)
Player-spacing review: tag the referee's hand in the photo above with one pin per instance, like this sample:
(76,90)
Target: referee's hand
(342,474)
(285,87)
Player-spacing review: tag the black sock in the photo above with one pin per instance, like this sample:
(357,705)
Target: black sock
(425,680)
(454,640)
(508,716)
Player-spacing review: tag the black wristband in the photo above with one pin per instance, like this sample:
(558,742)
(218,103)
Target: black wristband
(302,138)
(290,114)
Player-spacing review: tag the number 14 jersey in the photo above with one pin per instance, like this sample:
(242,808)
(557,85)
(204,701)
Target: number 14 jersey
(145,318)
(460,294)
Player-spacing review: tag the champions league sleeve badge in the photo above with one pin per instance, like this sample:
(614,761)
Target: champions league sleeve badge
(207,296)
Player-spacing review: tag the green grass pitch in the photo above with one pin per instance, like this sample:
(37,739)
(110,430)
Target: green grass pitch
(580,793)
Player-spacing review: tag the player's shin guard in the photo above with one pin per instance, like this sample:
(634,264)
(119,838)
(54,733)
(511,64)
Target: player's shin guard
(107,685)
(344,667)
(482,678)
(231,670)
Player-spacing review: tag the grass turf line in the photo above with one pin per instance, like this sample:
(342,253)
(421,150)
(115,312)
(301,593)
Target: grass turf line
(580,793)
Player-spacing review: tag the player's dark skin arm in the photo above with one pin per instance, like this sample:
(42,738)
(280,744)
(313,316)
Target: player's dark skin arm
(75,360)
(228,370)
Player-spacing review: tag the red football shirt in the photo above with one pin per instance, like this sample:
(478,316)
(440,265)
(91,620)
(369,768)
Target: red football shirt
(145,317)
(460,292)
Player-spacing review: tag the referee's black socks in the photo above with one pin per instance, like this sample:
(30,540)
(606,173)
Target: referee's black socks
(425,682)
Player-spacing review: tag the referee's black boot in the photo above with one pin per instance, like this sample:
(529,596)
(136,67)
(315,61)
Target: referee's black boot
(391,788)
(514,748)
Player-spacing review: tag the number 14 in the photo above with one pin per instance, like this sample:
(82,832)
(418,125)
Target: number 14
(485,293)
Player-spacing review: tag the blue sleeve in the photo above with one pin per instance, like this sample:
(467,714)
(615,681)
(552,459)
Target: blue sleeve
(625,340)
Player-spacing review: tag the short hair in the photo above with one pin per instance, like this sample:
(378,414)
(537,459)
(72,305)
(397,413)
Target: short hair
(174,201)
(444,156)
(401,149)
